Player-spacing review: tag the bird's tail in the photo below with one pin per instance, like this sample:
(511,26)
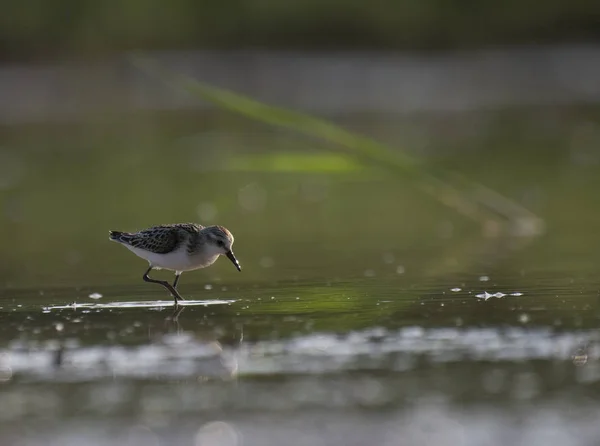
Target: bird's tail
(118,236)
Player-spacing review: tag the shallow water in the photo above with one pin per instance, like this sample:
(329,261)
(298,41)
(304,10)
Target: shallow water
(389,363)
(365,313)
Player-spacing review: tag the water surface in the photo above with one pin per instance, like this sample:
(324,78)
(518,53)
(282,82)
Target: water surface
(366,312)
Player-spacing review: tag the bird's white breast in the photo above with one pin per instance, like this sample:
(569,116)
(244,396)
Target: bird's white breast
(178,260)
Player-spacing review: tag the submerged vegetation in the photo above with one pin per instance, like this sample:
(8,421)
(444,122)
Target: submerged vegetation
(452,189)
(497,215)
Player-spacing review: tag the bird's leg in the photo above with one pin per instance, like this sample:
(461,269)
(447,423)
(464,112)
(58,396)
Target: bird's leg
(164,283)
(177,274)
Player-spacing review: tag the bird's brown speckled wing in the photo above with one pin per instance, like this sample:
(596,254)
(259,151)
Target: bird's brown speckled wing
(162,239)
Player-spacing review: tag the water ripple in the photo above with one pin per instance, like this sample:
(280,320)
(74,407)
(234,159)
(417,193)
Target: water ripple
(183,355)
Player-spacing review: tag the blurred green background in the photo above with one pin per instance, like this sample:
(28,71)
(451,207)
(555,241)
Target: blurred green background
(89,141)
(298,210)
(35,28)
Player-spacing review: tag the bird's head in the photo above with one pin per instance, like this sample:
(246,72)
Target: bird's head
(222,241)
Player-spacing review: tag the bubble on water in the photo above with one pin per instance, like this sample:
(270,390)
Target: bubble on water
(516,294)
(59,326)
(207,211)
(524,318)
(484,278)
(266,262)
(95,296)
(400,269)
(456,290)
(208,286)
(252,197)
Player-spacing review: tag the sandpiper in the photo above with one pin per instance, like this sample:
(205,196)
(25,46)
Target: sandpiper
(178,247)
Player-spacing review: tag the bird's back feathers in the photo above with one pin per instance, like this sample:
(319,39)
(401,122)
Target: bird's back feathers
(158,239)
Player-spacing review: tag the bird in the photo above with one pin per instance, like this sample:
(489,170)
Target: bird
(178,247)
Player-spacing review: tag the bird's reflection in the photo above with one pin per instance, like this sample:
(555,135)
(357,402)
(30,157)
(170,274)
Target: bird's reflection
(174,318)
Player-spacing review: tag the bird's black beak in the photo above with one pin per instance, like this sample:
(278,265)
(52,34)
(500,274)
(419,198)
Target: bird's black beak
(235,262)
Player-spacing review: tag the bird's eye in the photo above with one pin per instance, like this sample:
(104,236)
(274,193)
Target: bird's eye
(220,243)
